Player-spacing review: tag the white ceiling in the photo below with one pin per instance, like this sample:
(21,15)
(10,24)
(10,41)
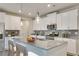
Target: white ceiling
(33,8)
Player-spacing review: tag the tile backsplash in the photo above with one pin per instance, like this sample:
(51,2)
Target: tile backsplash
(11,33)
(67,33)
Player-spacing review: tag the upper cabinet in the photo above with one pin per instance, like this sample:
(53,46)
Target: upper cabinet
(51,18)
(68,20)
(59,22)
(12,22)
(16,22)
(65,21)
(62,21)
(73,19)
(43,22)
(2,17)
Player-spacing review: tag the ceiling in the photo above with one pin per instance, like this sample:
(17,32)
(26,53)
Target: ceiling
(31,9)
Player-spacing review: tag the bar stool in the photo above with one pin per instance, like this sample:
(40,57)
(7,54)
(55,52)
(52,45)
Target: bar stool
(21,50)
(11,50)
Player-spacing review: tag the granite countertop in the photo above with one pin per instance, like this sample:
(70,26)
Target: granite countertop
(46,44)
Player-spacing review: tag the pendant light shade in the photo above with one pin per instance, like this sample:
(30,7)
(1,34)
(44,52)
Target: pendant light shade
(21,23)
(37,17)
(20,11)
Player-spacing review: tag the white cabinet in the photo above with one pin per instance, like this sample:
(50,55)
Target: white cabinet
(16,22)
(12,22)
(65,21)
(7,22)
(71,46)
(68,20)
(52,18)
(2,17)
(62,21)
(43,22)
(73,17)
(59,22)
(72,43)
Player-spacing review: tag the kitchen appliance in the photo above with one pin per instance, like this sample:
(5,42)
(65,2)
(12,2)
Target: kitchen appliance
(52,26)
(11,33)
(2,39)
(52,35)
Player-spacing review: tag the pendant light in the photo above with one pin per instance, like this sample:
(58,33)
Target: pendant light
(37,17)
(20,11)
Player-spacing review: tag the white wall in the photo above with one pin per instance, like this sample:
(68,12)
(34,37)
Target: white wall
(26,28)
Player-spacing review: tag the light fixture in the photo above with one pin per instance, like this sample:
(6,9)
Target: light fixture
(21,23)
(48,5)
(37,17)
(29,13)
(19,11)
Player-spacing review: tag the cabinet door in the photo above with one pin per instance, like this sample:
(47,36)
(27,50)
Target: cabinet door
(2,17)
(59,22)
(15,22)
(8,22)
(65,21)
(71,46)
(43,24)
(52,18)
(12,23)
(36,25)
(73,19)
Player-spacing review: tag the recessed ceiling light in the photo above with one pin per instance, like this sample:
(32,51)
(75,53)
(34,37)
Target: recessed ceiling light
(19,11)
(29,13)
(48,5)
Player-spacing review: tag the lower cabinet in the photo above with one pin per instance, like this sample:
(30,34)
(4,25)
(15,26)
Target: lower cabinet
(1,44)
(72,45)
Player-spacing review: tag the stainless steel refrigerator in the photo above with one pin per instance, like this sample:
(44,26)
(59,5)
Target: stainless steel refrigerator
(2,37)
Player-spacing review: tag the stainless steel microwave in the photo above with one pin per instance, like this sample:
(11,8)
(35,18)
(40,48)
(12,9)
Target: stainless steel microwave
(52,26)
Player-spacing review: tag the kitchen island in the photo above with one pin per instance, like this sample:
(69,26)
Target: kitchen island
(45,47)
